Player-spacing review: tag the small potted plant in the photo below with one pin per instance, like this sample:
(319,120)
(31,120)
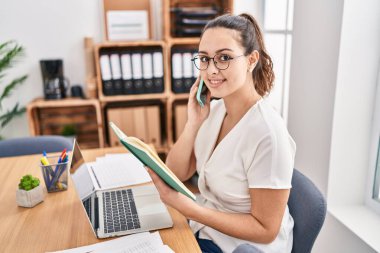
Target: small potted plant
(29,192)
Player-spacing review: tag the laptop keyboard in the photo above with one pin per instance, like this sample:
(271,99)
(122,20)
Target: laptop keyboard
(120,213)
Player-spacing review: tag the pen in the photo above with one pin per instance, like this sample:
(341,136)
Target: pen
(59,169)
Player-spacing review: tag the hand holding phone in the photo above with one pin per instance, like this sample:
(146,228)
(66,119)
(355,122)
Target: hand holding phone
(202,93)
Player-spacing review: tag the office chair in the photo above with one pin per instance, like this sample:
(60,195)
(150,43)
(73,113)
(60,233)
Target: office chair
(34,145)
(308,209)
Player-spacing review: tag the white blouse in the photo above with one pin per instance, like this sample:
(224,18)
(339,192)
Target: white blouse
(258,152)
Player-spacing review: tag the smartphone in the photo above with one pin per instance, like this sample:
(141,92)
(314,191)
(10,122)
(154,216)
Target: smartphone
(202,93)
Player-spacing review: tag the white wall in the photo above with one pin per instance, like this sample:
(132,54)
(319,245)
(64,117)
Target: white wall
(47,29)
(359,60)
(315,50)
(335,56)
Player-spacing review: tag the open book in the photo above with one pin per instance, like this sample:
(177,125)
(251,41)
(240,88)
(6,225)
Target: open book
(149,158)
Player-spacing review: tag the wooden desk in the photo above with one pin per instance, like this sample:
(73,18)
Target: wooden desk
(59,222)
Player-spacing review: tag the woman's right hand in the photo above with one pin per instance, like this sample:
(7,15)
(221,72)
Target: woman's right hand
(195,113)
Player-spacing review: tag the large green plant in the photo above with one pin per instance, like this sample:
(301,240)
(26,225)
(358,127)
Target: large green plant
(10,52)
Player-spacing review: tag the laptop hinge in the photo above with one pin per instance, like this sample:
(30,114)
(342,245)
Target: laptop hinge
(96,213)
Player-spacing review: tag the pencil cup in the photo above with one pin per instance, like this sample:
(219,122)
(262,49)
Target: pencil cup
(55,174)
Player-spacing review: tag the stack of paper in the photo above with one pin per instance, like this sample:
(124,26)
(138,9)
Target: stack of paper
(118,170)
(136,243)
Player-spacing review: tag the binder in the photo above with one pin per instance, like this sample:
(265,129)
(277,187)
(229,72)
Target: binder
(117,84)
(137,73)
(105,70)
(187,71)
(177,73)
(195,70)
(147,72)
(126,66)
(158,72)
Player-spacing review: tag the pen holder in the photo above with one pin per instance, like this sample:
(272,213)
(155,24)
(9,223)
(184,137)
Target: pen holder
(55,174)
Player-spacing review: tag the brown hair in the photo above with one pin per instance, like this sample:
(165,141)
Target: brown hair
(251,39)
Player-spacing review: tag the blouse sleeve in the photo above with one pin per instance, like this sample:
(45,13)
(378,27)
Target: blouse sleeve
(272,163)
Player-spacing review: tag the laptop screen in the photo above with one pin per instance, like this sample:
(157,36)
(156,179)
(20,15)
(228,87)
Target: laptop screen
(83,184)
(80,173)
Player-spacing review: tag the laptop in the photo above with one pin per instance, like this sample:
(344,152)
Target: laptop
(118,211)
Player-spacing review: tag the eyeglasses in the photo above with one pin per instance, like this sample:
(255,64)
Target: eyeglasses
(221,61)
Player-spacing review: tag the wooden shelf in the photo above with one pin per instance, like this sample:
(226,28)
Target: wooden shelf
(182,41)
(180,96)
(137,97)
(141,43)
(49,117)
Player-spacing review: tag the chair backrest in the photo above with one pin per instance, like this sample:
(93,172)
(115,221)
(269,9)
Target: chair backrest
(34,145)
(308,209)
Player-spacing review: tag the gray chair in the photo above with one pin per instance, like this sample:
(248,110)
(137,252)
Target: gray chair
(308,209)
(34,145)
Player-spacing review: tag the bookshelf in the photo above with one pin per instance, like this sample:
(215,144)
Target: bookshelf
(172,112)
(167,114)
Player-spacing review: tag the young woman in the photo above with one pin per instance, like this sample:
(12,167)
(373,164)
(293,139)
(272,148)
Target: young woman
(238,144)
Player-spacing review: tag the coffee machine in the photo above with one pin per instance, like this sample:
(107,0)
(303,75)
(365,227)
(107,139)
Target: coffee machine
(54,83)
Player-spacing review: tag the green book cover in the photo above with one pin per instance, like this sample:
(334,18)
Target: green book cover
(143,152)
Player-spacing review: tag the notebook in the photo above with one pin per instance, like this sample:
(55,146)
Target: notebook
(118,211)
(148,157)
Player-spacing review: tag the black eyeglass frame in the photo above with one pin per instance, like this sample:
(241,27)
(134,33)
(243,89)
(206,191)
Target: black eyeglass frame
(215,63)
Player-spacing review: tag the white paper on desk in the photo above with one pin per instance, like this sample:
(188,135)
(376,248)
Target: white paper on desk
(125,244)
(118,170)
(149,244)
(117,243)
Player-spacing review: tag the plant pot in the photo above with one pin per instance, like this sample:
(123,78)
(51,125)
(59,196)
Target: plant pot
(30,198)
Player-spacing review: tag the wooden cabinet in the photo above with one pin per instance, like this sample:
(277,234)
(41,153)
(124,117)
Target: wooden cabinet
(142,122)
(81,117)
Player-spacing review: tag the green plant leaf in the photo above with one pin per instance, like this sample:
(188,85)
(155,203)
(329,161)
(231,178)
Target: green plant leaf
(7,58)
(4,45)
(9,115)
(10,87)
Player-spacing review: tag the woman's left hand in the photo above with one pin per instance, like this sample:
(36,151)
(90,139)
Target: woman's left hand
(172,198)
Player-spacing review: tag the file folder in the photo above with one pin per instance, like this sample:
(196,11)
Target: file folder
(177,73)
(158,72)
(126,66)
(147,61)
(105,70)
(137,73)
(116,74)
(187,71)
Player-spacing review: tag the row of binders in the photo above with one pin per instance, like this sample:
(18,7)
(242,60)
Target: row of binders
(132,72)
(184,73)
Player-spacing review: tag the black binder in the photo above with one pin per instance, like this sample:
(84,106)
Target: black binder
(105,68)
(117,84)
(126,69)
(147,63)
(187,70)
(158,72)
(138,84)
(177,72)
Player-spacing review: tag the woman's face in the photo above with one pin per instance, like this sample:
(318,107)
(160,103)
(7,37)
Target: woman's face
(223,42)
